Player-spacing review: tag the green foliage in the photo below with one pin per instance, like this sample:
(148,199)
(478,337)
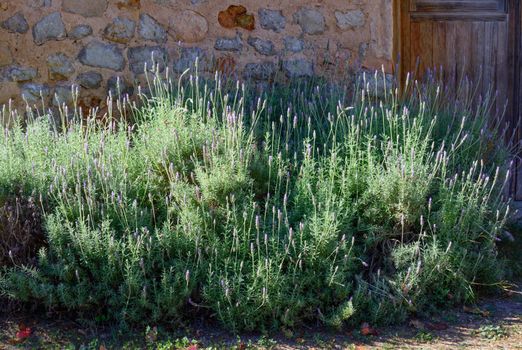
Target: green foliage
(262,214)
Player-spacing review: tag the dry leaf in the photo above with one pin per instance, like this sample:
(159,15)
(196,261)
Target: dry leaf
(366,330)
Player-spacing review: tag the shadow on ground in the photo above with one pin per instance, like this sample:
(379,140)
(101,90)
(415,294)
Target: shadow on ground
(492,324)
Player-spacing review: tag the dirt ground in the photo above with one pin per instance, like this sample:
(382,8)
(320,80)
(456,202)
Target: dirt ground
(491,324)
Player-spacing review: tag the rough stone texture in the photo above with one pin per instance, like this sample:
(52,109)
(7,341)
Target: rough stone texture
(293,44)
(16,24)
(119,86)
(188,58)
(60,66)
(6,56)
(350,19)
(63,94)
(80,31)
(121,30)
(381,26)
(9,91)
(311,21)
(34,93)
(298,68)
(272,19)
(229,44)
(188,26)
(89,80)
(333,38)
(36,4)
(236,16)
(151,56)
(101,55)
(129,4)
(85,8)
(264,47)
(19,74)
(259,71)
(51,27)
(150,29)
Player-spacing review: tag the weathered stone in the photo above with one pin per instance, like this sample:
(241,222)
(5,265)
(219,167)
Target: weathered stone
(150,29)
(129,4)
(259,71)
(236,16)
(151,56)
(60,67)
(311,21)
(350,19)
(101,55)
(188,58)
(80,31)
(229,44)
(225,64)
(272,19)
(34,93)
(121,30)
(50,27)
(16,24)
(5,55)
(63,94)
(85,8)
(20,74)
(90,80)
(188,26)
(197,2)
(264,47)
(39,3)
(293,44)
(119,87)
(363,49)
(8,91)
(246,21)
(298,68)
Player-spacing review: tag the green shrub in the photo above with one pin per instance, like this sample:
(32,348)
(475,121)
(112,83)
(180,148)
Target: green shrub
(299,206)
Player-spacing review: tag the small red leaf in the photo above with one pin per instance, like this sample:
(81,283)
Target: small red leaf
(24,333)
(366,330)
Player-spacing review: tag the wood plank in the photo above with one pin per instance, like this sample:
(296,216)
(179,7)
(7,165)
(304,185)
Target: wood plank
(463,54)
(439,49)
(461,5)
(502,76)
(422,46)
(459,16)
(477,58)
(450,74)
(490,60)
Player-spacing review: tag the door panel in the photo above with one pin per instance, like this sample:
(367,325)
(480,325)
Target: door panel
(466,41)
(458,5)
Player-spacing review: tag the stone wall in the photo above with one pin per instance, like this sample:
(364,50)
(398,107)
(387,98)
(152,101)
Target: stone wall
(48,45)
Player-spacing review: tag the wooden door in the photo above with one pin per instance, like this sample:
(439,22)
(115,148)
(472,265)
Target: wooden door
(474,42)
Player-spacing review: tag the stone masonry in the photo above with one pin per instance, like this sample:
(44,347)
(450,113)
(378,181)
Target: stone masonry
(47,46)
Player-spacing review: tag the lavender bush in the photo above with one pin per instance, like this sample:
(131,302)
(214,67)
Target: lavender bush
(301,205)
